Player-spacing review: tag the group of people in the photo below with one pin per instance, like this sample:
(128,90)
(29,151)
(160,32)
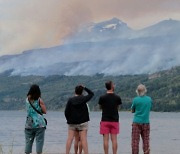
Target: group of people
(77,116)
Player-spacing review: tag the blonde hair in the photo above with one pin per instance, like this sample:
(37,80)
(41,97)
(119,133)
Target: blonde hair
(141,90)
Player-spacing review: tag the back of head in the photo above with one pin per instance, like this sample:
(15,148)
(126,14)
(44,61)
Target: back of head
(141,90)
(79,90)
(108,85)
(34,92)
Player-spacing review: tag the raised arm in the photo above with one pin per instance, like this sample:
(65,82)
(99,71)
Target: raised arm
(89,96)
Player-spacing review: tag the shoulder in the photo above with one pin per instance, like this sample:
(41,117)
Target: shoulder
(27,103)
(117,96)
(70,98)
(136,98)
(103,96)
(149,98)
(27,100)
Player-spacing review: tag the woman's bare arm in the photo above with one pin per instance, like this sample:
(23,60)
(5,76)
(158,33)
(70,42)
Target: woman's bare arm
(43,107)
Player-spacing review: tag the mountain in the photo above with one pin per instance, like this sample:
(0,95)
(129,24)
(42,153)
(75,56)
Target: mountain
(162,86)
(165,28)
(111,29)
(109,47)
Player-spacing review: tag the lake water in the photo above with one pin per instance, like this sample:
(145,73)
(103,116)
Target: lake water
(165,133)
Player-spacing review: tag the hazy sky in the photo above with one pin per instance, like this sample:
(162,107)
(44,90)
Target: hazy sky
(28,24)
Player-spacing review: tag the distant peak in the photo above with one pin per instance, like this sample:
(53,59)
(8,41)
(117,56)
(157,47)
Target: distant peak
(171,23)
(111,21)
(115,20)
(170,20)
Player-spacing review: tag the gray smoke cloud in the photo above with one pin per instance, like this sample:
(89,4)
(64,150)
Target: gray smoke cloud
(109,57)
(34,24)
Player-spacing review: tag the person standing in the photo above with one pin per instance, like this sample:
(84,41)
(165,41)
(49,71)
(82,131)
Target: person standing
(77,144)
(109,125)
(77,116)
(35,123)
(141,107)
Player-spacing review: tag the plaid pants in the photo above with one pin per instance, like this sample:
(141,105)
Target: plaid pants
(142,130)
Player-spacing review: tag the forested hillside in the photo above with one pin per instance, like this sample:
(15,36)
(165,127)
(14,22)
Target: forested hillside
(163,87)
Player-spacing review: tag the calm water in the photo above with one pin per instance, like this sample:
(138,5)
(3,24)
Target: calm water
(165,133)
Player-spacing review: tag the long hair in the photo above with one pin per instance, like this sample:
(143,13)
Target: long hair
(34,92)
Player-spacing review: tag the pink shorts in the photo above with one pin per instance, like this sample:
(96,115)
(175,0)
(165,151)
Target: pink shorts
(109,127)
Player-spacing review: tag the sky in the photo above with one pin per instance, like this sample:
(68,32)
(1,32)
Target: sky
(30,24)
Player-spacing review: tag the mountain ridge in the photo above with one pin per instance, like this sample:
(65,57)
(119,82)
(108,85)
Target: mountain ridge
(137,53)
(162,86)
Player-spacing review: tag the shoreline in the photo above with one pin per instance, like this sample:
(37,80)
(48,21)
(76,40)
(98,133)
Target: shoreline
(94,111)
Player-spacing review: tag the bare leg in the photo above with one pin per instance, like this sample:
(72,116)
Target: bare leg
(106,143)
(83,138)
(76,142)
(80,147)
(114,143)
(71,135)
